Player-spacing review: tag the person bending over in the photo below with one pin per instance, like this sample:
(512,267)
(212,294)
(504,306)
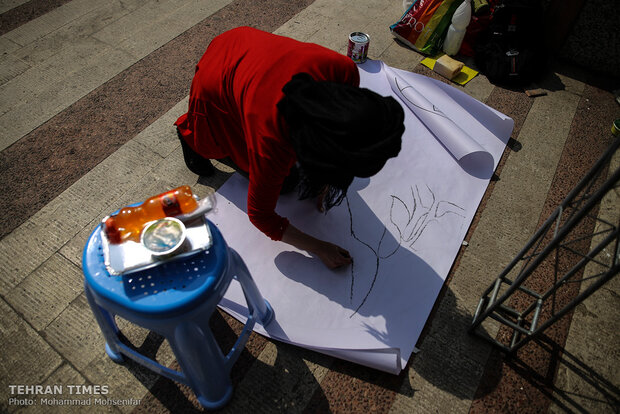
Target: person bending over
(289,114)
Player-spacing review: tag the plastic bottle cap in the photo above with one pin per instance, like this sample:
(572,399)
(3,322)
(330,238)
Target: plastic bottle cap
(111,231)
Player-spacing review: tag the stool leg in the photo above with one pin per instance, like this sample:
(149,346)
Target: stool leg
(252,294)
(202,363)
(108,328)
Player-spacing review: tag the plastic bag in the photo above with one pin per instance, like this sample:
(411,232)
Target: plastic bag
(423,26)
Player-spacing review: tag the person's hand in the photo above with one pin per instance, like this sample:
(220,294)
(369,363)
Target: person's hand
(330,254)
(333,256)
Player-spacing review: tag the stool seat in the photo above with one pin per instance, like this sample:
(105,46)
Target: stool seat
(172,286)
(175,299)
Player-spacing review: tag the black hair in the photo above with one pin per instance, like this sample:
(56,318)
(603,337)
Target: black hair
(339,132)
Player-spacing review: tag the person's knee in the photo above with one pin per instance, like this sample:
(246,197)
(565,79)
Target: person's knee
(194,161)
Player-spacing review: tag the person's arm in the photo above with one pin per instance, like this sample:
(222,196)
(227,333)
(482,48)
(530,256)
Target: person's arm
(330,254)
(263,193)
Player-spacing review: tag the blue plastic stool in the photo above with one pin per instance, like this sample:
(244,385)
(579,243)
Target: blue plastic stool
(176,299)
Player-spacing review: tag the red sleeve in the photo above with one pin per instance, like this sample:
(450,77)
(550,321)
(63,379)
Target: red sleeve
(266,178)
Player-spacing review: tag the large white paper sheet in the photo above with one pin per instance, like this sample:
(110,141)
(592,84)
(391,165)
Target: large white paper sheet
(457,141)
(403,227)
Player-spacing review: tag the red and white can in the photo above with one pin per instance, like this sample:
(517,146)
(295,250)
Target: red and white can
(358,47)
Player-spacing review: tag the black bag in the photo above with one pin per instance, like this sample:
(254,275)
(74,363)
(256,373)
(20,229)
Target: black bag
(510,50)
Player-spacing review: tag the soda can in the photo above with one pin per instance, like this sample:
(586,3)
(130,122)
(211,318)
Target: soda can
(358,47)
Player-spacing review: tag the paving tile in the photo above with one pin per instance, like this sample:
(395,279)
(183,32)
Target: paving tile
(166,26)
(587,380)
(329,9)
(304,25)
(336,34)
(479,88)
(161,137)
(51,21)
(377,27)
(130,25)
(7,46)
(330,25)
(532,375)
(43,91)
(26,12)
(503,226)
(453,382)
(496,234)
(70,398)
(509,219)
(9,4)
(449,325)
(339,19)
(172,172)
(22,251)
(128,382)
(96,192)
(349,387)
(66,36)
(295,379)
(61,150)
(446,370)
(400,57)
(132,34)
(424,397)
(11,67)
(39,94)
(47,291)
(76,335)
(18,89)
(73,249)
(25,358)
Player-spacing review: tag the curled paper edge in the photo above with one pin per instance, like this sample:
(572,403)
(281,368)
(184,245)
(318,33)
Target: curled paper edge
(448,133)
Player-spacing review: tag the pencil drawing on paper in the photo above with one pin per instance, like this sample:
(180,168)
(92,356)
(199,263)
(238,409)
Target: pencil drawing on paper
(411,216)
(419,102)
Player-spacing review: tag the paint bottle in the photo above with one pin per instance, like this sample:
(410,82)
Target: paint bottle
(456,31)
(128,223)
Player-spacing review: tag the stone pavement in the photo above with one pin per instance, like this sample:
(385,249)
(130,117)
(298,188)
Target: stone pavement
(88,94)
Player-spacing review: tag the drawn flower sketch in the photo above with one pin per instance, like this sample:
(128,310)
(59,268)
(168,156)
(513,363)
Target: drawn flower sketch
(412,219)
(411,215)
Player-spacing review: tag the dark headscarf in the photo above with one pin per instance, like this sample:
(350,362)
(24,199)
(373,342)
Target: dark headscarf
(339,132)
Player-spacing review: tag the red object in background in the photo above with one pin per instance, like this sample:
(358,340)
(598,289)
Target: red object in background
(476,26)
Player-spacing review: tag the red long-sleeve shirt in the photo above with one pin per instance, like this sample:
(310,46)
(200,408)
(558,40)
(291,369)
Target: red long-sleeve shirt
(232,109)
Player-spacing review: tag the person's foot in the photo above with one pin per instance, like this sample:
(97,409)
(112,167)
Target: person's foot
(195,162)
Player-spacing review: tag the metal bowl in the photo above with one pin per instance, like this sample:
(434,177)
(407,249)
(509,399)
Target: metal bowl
(164,237)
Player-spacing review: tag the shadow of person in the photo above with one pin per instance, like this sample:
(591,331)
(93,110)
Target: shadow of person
(386,296)
(388,290)
(391,283)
